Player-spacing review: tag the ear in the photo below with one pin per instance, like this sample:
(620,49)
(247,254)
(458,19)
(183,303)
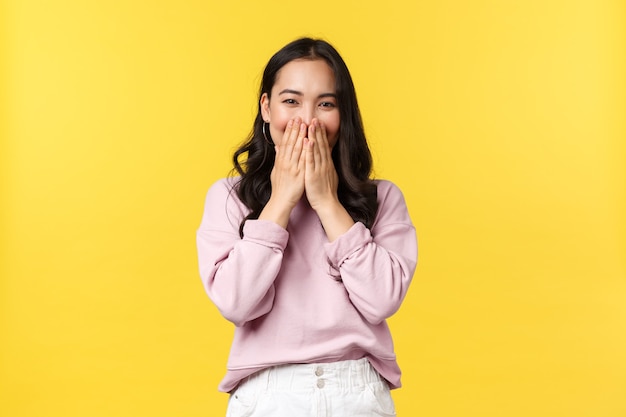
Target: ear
(265,107)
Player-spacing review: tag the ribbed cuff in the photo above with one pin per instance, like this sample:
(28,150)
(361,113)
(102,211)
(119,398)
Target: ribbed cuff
(265,232)
(350,242)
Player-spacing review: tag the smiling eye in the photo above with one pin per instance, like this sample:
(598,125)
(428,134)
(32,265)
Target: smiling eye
(290,101)
(327,104)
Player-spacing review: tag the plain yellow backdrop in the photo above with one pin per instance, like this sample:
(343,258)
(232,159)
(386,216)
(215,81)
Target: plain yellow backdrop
(502,121)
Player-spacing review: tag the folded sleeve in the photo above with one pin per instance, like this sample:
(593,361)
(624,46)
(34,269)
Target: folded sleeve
(377,266)
(238,273)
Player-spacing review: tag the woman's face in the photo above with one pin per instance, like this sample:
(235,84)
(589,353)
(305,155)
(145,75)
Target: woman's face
(305,89)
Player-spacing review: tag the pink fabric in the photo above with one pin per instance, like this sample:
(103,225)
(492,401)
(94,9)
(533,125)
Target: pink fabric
(281,288)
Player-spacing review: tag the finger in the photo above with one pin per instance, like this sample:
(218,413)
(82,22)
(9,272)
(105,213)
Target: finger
(290,136)
(314,133)
(319,139)
(323,138)
(295,130)
(297,147)
(306,158)
(285,140)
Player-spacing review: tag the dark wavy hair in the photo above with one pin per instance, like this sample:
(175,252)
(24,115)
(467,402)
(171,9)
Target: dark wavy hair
(351,155)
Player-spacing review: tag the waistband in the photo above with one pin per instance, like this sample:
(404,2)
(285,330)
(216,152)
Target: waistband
(349,375)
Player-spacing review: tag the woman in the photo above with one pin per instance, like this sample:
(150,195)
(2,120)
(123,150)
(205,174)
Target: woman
(304,253)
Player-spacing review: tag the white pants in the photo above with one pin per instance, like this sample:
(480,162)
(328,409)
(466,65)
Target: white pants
(336,389)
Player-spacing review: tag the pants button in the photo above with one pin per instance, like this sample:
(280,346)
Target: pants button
(320,383)
(319,371)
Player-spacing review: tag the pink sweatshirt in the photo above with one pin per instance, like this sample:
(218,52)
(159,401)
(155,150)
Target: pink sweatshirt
(293,296)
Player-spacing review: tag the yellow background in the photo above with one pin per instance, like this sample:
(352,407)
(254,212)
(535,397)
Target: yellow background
(502,121)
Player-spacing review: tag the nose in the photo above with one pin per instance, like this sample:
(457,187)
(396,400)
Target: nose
(307,114)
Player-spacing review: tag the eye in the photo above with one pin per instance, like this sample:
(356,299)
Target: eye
(327,104)
(290,101)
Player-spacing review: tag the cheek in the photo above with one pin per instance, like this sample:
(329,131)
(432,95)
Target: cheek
(277,128)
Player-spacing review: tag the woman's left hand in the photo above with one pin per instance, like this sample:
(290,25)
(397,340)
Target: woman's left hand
(320,183)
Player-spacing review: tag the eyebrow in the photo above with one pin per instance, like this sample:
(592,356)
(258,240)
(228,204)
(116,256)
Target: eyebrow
(299,93)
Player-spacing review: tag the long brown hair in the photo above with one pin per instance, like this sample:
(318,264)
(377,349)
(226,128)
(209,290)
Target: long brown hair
(351,154)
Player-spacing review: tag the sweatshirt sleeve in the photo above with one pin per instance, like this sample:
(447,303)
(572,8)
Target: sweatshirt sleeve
(377,267)
(238,274)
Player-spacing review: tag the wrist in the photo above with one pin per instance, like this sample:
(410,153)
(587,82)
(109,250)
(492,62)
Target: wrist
(327,207)
(335,219)
(277,211)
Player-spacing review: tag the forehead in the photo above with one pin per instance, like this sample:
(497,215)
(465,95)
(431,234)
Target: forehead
(306,76)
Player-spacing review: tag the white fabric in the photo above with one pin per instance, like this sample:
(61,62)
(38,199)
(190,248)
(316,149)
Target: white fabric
(350,388)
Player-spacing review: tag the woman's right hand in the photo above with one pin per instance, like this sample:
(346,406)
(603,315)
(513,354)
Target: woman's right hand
(287,177)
